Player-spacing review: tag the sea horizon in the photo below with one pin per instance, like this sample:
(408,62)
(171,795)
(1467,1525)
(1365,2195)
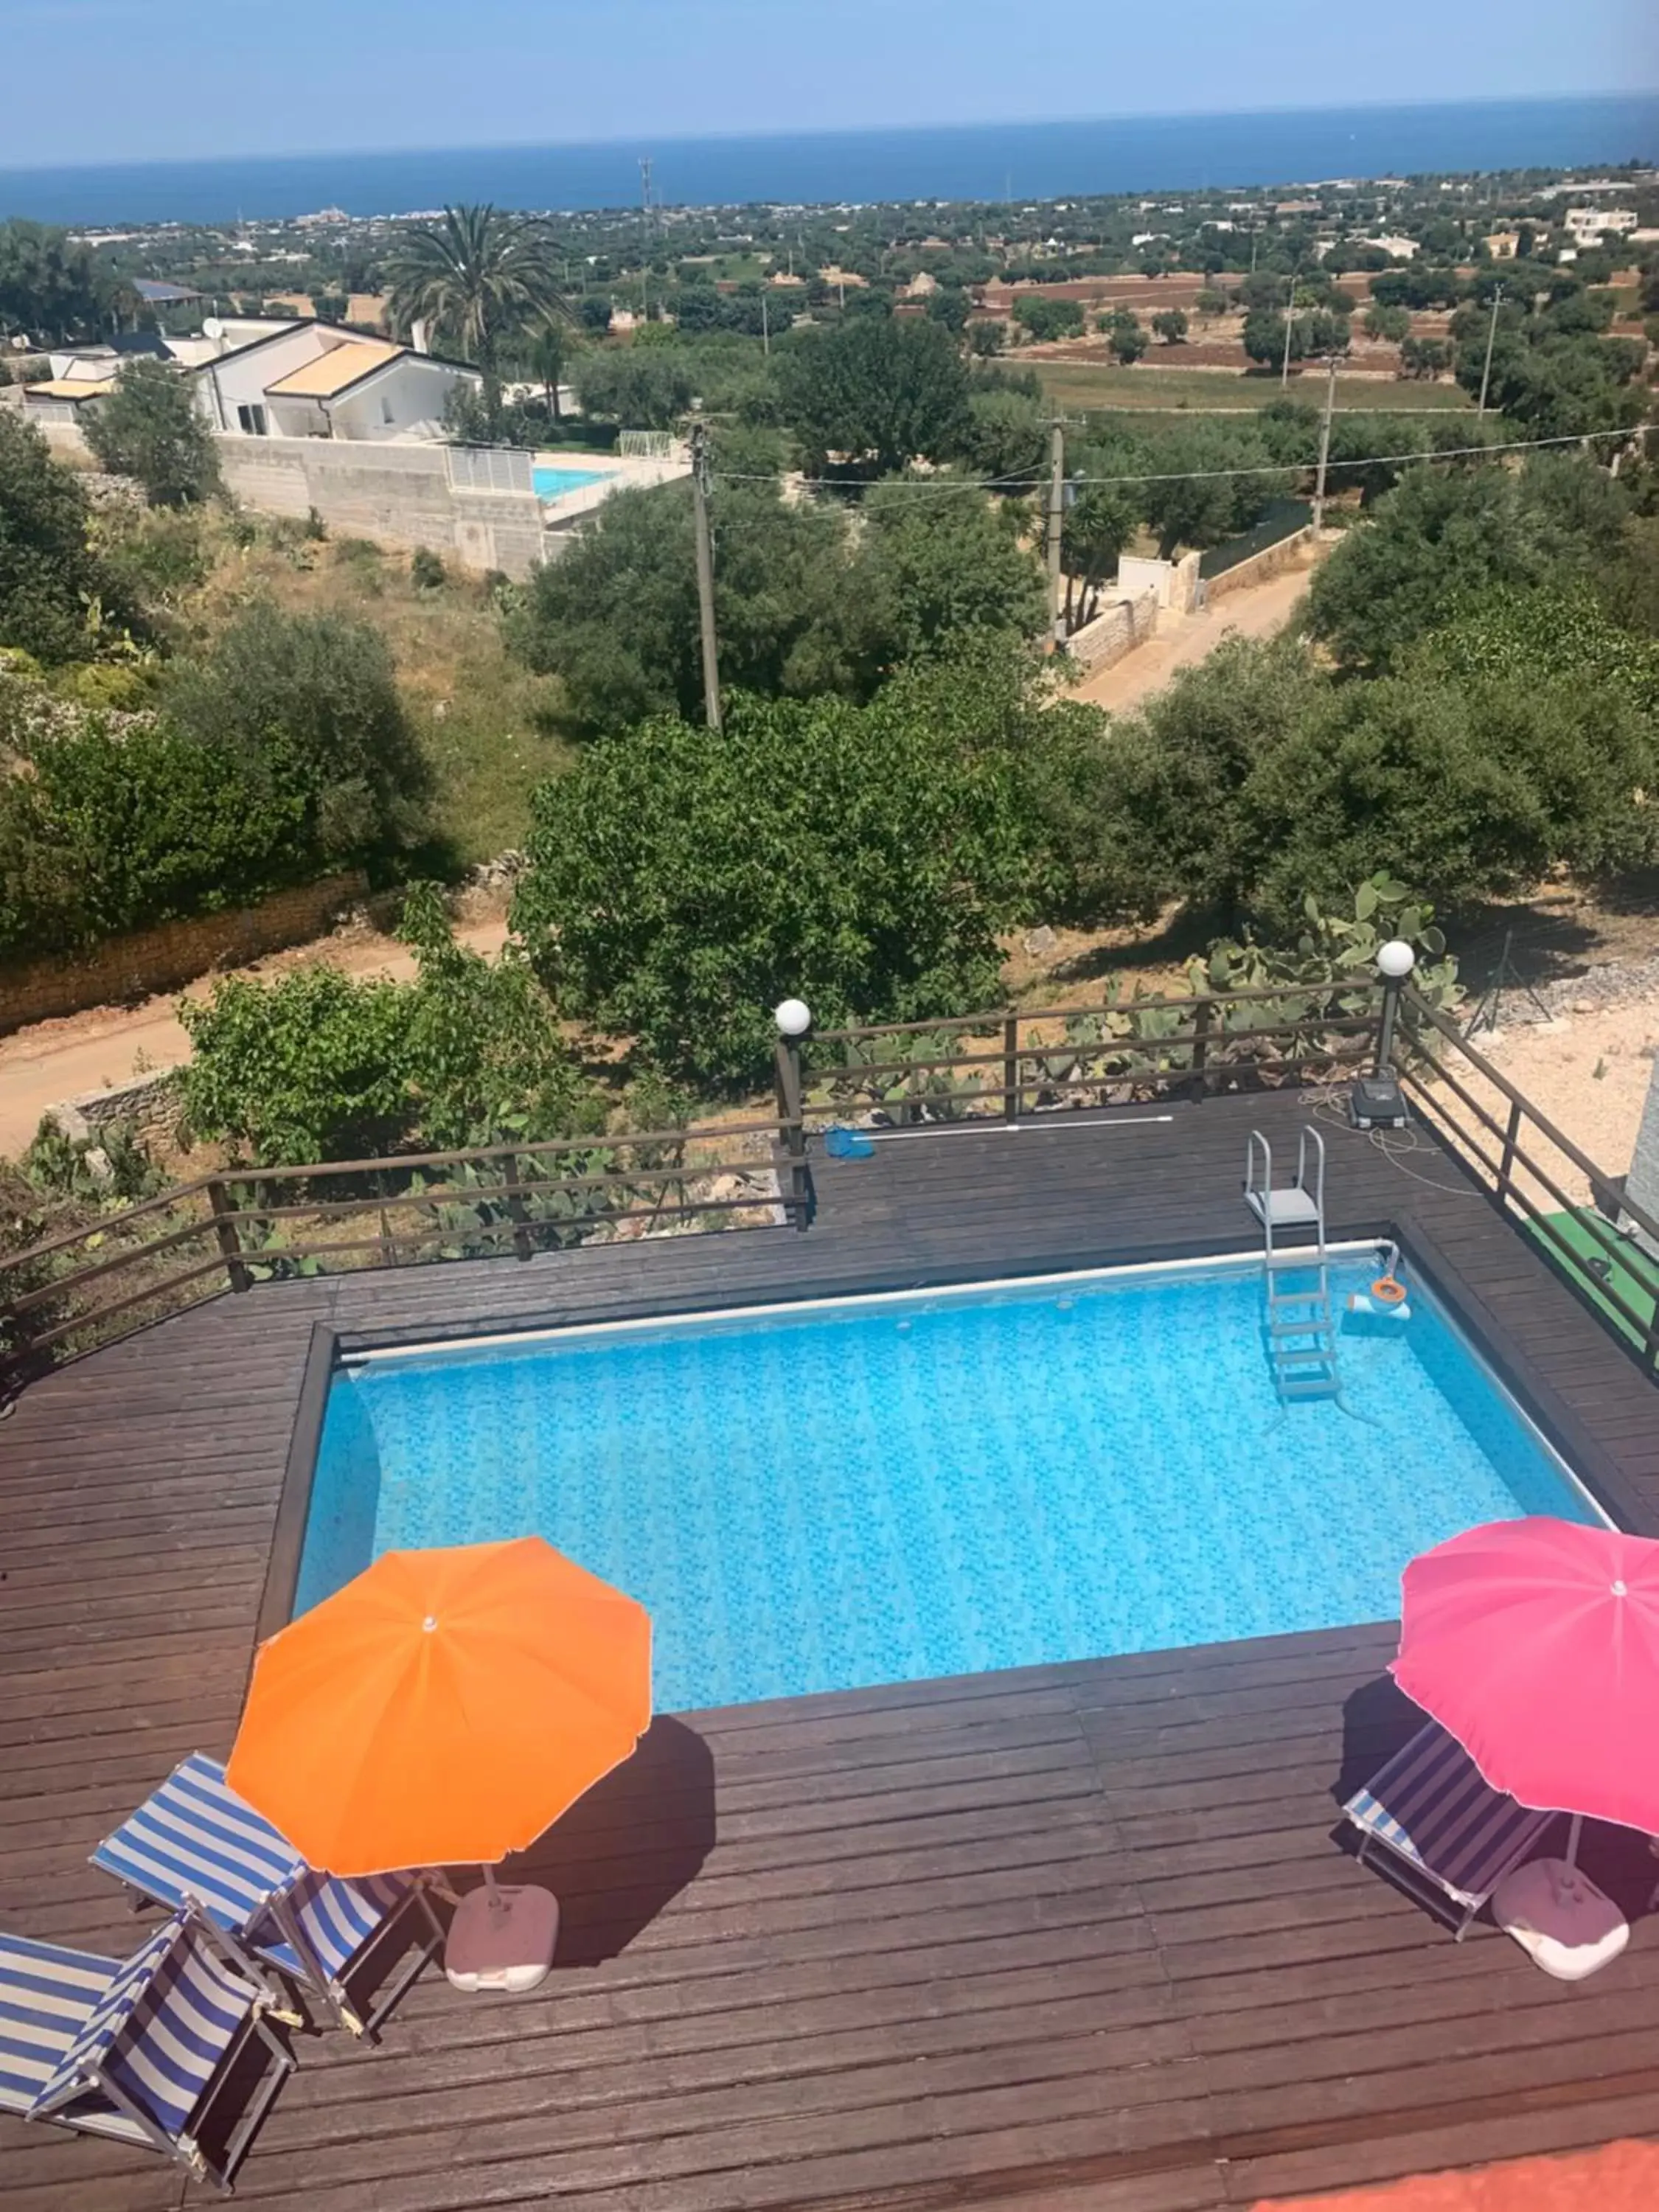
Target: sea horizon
(992,162)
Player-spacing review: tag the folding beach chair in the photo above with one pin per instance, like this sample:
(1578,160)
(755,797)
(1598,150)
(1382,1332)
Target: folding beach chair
(1447,1837)
(194,1844)
(136,2049)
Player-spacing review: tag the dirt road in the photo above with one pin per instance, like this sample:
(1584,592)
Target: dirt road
(1257,611)
(51,1061)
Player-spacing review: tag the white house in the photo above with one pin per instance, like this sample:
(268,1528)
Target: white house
(313,379)
(80,374)
(1586,224)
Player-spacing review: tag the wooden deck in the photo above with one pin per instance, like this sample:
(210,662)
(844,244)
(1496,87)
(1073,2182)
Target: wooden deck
(1073,1939)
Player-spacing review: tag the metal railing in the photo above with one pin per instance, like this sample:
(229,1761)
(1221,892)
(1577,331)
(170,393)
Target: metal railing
(1536,1174)
(237,1226)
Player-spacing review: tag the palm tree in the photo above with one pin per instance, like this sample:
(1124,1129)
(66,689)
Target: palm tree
(546,353)
(474,277)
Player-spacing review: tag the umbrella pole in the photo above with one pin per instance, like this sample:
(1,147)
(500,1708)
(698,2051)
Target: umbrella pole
(1573,1833)
(499,1906)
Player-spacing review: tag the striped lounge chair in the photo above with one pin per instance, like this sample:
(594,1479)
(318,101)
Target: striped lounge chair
(194,1844)
(1447,1836)
(137,2051)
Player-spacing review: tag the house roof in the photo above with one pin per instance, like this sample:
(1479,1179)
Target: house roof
(160,296)
(331,371)
(70,387)
(283,329)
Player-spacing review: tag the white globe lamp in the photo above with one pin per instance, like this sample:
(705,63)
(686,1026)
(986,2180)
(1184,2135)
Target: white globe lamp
(1395,959)
(794,1017)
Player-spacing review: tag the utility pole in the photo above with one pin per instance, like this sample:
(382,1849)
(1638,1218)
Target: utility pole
(645,238)
(711,674)
(1290,328)
(1492,339)
(1056,518)
(1324,444)
(766,327)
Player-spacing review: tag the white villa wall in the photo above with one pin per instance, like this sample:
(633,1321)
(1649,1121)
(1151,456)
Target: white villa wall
(474,504)
(399,495)
(240,380)
(1174,582)
(407,392)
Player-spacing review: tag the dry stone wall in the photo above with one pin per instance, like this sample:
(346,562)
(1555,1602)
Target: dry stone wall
(174,953)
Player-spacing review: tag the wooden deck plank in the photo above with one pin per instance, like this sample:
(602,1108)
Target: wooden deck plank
(1067,1939)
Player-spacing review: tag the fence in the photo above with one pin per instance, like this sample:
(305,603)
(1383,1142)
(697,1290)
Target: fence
(1536,1174)
(231,1229)
(228,1229)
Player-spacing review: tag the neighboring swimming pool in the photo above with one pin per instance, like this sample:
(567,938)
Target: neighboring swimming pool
(882,1489)
(554,483)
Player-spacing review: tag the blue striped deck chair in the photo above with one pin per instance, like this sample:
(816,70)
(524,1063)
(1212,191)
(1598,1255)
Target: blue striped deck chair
(194,1844)
(138,2050)
(1447,1836)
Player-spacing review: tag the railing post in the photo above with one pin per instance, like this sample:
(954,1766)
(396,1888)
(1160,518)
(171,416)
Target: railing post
(224,1228)
(793,1019)
(1012,1091)
(1506,1165)
(521,1243)
(1201,1021)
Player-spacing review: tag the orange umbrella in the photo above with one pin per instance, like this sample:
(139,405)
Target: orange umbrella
(445,1707)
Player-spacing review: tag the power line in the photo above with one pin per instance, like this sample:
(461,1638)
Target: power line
(1171,475)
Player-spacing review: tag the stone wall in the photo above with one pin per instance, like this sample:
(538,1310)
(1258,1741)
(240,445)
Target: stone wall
(149,1106)
(1123,625)
(398,495)
(1287,553)
(174,953)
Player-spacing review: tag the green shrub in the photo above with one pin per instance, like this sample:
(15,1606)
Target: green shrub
(312,1067)
(281,753)
(426,569)
(682,881)
(308,706)
(149,428)
(317,1066)
(59,601)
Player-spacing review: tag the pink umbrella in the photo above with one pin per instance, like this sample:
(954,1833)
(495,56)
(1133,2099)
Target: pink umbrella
(1537,1643)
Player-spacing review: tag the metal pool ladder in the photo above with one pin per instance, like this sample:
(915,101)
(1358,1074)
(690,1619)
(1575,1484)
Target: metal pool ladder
(1301,1331)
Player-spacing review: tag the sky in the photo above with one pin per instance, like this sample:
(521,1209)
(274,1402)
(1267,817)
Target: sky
(163,80)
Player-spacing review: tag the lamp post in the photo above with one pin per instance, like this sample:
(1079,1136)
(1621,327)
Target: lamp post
(1395,963)
(793,1018)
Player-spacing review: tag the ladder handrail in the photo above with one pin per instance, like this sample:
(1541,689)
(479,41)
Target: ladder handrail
(1317,1193)
(1294,1372)
(1265,1187)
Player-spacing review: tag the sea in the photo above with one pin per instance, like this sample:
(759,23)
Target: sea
(994,162)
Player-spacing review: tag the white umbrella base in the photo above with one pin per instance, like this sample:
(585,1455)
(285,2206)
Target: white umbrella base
(505,1945)
(1561,1920)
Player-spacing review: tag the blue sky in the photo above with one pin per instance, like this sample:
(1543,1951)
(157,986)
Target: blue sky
(173,79)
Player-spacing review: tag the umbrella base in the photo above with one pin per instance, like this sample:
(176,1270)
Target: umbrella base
(1561,1920)
(510,1948)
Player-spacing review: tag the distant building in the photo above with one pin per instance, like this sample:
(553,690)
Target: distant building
(156,294)
(315,379)
(1585,225)
(921,286)
(1391,243)
(1502,245)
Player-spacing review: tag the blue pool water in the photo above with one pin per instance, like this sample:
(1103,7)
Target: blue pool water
(883,1489)
(554,483)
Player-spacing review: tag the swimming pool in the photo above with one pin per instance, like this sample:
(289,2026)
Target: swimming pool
(883,1489)
(554,483)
